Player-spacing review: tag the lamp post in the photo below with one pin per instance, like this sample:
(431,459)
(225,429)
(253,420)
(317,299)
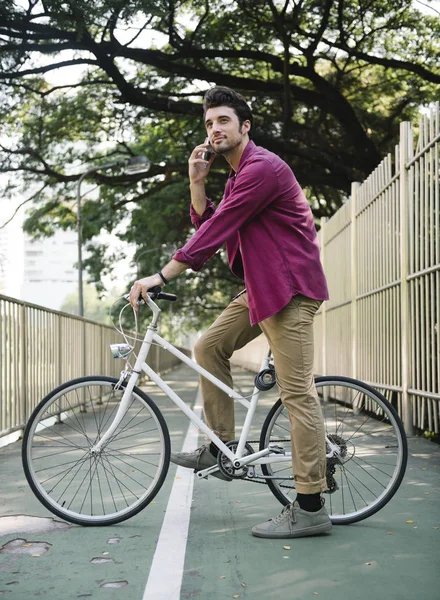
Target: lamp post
(133,165)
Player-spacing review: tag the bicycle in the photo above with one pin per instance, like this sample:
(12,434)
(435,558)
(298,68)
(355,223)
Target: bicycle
(96,450)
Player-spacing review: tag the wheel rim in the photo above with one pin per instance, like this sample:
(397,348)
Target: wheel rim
(94,488)
(373,458)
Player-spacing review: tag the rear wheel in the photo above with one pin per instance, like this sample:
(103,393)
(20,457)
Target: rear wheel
(95,489)
(371,443)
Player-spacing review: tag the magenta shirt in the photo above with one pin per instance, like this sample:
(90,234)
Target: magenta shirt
(267,225)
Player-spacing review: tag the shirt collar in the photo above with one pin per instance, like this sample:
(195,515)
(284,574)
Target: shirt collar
(248,150)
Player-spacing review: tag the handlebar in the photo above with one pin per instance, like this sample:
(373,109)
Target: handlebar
(156,293)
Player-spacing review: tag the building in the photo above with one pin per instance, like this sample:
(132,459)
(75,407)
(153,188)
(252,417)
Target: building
(50,273)
(11,259)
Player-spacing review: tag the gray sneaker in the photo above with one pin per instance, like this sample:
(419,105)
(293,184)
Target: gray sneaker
(294,522)
(198,460)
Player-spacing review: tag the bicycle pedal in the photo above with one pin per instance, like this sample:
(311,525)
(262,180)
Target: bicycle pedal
(277,449)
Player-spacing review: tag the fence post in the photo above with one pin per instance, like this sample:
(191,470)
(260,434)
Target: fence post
(406,148)
(60,341)
(84,363)
(353,247)
(24,412)
(324,322)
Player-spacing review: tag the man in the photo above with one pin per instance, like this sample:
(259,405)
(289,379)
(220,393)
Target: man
(271,241)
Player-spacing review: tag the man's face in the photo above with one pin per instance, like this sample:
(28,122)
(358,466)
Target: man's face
(223,128)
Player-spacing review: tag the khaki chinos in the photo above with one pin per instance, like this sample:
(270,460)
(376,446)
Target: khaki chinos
(290,336)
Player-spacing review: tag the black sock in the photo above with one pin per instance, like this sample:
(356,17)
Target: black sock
(213,449)
(309,502)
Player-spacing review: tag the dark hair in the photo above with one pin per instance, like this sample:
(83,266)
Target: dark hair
(224,96)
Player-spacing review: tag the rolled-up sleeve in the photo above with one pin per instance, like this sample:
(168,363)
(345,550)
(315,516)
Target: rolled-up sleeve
(197,219)
(256,186)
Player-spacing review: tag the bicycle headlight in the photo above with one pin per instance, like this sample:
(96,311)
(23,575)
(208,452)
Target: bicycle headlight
(120,350)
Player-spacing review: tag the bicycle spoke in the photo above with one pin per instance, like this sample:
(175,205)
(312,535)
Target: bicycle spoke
(369,474)
(116,435)
(58,453)
(67,441)
(135,457)
(118,482)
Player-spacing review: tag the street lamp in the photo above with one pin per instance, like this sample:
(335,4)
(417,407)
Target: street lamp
(132,166)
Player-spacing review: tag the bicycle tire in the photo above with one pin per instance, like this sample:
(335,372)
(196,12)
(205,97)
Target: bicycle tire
(348,404)
(101,489)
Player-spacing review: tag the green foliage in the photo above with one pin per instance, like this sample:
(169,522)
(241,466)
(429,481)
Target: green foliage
(328,82)
(96,307)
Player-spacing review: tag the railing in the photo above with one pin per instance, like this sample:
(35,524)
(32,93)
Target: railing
(381,255)
(42,348)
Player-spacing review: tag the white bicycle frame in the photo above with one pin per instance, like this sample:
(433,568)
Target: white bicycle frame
(237,458)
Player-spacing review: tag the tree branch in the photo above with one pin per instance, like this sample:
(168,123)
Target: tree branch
(47,68)
(323,26)
(22,204)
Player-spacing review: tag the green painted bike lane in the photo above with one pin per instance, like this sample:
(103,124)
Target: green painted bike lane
(62,568)
(382,557)
(394,554)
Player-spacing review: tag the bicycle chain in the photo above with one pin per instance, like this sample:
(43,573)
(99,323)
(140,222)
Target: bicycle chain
(330,479)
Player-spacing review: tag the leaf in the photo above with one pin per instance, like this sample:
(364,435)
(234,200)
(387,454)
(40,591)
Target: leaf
(389,533)
(26,545)
(36,555)
(286,547)
(435,528)
(410,521)
(243,584)
(222,576)
(236,596)
(105,553)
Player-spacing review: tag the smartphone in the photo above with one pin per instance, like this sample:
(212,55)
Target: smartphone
(207,154)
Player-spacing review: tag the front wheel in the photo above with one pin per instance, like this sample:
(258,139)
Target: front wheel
(87,488)
(371,442)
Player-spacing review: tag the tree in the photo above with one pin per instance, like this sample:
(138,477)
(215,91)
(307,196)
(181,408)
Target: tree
(328,81)
(96,308)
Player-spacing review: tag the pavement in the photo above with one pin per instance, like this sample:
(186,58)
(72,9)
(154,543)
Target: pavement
(206,525)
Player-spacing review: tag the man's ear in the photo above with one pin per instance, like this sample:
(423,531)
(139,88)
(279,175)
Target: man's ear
(245,128)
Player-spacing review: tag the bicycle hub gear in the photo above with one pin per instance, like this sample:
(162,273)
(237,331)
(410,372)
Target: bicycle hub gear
(339,441)
(332,485)
(226,466)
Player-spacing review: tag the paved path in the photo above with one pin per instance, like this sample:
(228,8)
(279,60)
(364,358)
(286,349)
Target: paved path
(384,557)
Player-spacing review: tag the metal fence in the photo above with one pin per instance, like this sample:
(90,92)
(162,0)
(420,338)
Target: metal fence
(381,255)
(42,348)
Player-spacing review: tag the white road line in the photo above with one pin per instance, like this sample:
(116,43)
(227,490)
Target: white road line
(166,573)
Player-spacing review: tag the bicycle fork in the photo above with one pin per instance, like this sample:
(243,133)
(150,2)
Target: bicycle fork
(126,397)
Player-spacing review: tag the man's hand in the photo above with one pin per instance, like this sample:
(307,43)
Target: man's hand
(141,287)
(199,168)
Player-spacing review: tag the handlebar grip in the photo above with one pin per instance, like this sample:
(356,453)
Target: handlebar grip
(156,293)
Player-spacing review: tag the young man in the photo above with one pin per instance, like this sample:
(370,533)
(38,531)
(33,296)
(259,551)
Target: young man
(267,225)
